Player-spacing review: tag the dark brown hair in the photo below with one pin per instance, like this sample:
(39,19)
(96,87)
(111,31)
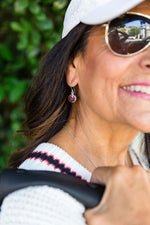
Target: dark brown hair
(46,105)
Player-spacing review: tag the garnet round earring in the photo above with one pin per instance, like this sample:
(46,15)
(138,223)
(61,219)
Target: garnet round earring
(72,97)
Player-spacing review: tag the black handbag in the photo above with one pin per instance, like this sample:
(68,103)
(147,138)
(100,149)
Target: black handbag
(14,179)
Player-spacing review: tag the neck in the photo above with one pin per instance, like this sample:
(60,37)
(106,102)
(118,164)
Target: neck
(106,143)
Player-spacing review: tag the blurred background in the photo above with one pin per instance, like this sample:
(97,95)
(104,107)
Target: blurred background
(28,30)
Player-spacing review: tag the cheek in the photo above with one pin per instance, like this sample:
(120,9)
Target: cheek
(102,71)
(100,78)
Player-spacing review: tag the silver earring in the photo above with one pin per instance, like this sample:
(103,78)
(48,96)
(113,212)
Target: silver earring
(72,98)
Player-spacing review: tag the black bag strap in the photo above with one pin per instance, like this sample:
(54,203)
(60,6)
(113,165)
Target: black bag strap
(15,179)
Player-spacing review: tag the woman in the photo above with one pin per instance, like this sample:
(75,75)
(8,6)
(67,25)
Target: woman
(89,107)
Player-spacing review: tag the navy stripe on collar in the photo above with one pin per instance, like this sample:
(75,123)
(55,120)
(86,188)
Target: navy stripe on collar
(50,160)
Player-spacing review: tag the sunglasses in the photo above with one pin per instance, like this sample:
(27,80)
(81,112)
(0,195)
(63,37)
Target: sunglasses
(128,34)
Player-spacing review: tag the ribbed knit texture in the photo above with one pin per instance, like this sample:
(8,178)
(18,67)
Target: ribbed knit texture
(43,205)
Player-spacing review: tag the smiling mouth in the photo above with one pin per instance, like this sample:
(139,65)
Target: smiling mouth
(138,88)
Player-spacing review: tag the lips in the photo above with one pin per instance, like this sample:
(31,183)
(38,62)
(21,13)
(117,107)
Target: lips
(138,88)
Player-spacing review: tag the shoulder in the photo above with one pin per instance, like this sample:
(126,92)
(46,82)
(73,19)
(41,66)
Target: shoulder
(51,157)
(41,206)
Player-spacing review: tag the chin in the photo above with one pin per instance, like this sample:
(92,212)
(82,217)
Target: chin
(145,130)
(139,121)
(142,125)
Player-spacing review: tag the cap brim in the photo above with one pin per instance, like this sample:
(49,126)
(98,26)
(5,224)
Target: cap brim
(109,11)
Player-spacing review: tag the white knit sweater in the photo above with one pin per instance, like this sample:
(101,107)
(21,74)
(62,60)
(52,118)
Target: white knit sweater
(43,205)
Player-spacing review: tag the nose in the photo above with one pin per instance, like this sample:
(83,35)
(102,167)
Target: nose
(145,60)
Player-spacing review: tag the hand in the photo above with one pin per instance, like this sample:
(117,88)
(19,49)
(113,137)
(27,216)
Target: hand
(126,200)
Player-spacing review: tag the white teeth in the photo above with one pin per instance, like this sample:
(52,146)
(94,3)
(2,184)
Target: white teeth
(143,89)
(132,88)
(138,88)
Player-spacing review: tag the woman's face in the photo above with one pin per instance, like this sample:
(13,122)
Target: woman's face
(102,76)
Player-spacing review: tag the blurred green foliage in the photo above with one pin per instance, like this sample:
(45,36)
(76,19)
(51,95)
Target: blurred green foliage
(28,30)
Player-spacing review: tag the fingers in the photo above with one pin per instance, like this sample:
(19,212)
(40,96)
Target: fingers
(92,217)
(124,187)
(101,175)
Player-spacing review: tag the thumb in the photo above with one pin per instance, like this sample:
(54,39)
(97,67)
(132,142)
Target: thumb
(101,175)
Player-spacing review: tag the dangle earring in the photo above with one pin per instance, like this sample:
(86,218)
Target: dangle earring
(72,97)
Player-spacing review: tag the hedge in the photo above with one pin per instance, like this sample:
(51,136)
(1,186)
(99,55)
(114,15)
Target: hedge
(28,30)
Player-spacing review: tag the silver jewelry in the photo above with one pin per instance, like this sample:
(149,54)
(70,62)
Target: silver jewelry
(81,148)
(72,98)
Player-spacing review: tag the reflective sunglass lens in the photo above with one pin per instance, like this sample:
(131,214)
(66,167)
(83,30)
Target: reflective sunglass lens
(129,34)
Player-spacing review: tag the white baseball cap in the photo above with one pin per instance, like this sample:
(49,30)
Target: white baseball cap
(94,12)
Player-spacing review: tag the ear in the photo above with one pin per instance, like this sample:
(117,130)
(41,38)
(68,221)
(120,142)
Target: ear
(72,75)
